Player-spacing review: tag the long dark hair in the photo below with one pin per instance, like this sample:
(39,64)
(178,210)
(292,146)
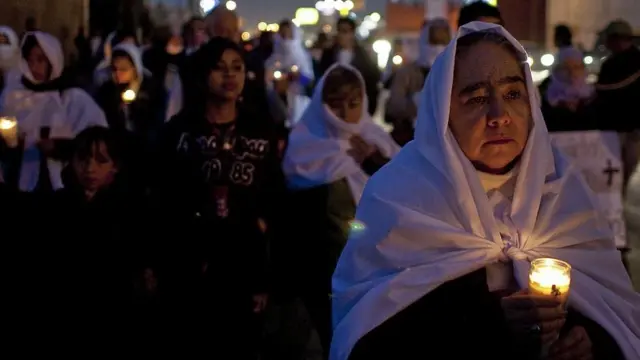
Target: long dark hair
(201,65)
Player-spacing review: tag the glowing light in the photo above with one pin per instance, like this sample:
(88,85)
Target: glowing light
(294,68)
(547,60)
(231,5)
(277,75)
(356,225)
(246,36)
(307,16)
(208,5)
(382,46)
(397,60)
(375,17)
(7,123)
(262,26)
(530,61)
(128,96)
(273,27)
(588,60)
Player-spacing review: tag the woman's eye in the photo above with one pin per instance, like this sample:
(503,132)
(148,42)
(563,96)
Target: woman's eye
(513,95)
(238,68)
(478,100)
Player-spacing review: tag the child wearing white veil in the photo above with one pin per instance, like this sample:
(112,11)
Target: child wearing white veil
(49,114)
(332,152)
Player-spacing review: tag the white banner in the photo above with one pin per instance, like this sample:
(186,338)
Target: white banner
(599,155)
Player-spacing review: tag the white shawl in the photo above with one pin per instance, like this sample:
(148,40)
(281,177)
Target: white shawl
(66,113)
(427,221)
(318,145)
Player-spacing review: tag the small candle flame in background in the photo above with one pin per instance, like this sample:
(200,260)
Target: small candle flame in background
(128,96)
(294,68)
(277,75)
(7,123)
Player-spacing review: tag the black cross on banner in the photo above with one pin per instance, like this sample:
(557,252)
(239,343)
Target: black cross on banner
(610,171)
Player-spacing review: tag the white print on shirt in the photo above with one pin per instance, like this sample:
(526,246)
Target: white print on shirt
(242,173)
(211,169)
(255,148)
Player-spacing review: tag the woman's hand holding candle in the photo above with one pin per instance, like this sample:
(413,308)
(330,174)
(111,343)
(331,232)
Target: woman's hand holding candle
(530,315)
(9,131)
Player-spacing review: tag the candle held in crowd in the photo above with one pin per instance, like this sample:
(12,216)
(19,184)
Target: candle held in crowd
(550,277)
(9,130)
(128,96)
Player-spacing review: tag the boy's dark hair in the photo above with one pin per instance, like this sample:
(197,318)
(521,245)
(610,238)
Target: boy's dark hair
(29,43)
(84,143)
(285,23)
(562,35)
(348,21)
(339,78)
(476,10)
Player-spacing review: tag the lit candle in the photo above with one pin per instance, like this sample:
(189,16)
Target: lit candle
(277,75)
(9,130)
(128,96)
(294,69)
(550,277)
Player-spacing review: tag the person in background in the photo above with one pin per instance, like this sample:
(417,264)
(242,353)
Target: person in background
(194,34)
(134,106)
(479,11)
(402,106)
(451,224)
(289,74)
(567,101)
(49,111)
(618,90)
(9,57)
(346,50)
(562,38)
(332,152)
(102,72)
(217,190)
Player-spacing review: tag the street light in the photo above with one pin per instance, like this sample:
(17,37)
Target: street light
(207,5)
(231,5)
(262,26)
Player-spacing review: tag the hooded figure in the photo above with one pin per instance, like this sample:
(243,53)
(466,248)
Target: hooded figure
(9,57)
(46,110)
(290,61)
(442,240)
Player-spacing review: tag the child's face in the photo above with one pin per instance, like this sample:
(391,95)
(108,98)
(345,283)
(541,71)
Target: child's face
(95,171)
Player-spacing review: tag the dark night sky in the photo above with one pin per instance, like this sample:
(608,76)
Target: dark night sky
(275,10)
(271,11)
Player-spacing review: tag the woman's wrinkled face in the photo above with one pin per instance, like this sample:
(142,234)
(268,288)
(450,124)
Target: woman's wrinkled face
(39,64)
(490,113)
(226,80)
(572,71)
(124,72)
(94,171)
(346,100)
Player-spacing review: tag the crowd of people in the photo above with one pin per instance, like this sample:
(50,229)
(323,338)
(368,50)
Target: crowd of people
(178,197)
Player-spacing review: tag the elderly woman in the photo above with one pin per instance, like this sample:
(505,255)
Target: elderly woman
(439,268)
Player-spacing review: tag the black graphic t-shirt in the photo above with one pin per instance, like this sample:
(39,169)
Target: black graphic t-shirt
(219,184)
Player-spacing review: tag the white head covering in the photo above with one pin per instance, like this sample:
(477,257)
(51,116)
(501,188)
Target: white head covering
(318,145)
(290,52)
(9,54)
(136,57)
(52,49)
(427,52)
(561,89)
(429,201)
(66,113)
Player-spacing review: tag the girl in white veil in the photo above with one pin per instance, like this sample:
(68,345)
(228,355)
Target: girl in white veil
(439,267)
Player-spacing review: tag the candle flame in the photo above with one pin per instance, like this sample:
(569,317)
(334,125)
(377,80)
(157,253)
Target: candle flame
(7,123)
(128,96)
